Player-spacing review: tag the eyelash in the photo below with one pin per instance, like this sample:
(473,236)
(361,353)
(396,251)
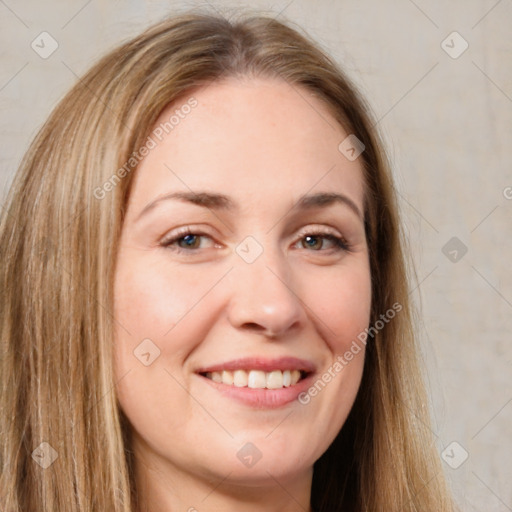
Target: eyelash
(340,244)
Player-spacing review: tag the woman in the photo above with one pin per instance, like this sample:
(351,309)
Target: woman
(204,295)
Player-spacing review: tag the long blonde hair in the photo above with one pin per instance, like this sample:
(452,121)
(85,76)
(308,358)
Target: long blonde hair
(58,244)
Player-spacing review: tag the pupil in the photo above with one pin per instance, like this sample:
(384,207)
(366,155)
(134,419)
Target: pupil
(189,239)
(311,241)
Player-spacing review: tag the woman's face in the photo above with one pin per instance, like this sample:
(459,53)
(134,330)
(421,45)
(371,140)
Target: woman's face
(237,274)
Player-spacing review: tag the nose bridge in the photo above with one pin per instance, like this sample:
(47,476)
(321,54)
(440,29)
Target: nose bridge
(262,294)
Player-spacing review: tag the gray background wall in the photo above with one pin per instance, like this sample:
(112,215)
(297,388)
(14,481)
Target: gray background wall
(447,120)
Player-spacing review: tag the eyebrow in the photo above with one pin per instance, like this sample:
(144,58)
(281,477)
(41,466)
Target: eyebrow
(216,201)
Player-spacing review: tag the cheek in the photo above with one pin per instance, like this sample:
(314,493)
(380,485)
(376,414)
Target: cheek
(156,300)
(158,311)
(342,301)
(163,310)
(151,311)
(145,301)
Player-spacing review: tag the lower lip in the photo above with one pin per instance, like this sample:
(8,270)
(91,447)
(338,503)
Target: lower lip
(262,398)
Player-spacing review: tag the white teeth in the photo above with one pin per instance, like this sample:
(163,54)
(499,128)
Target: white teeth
(295,376)
(256,379)
(240,378)
(275,380)
(227,377)
(216,376)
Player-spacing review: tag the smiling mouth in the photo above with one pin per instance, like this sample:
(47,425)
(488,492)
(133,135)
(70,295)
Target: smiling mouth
(257,379)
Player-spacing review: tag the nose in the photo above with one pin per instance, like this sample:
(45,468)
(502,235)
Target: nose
(263,298)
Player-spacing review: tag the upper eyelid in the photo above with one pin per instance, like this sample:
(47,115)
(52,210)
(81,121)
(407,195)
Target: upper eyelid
(328,230)
(184,230)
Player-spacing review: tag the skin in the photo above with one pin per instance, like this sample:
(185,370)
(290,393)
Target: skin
(259,142)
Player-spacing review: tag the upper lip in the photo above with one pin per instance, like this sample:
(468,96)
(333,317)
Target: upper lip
(261,363)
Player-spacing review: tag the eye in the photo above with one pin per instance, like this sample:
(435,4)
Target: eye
(316,240)
(184,240)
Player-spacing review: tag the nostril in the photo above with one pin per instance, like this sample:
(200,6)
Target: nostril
(253,326)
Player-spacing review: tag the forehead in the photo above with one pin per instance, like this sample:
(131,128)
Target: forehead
(259,137)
